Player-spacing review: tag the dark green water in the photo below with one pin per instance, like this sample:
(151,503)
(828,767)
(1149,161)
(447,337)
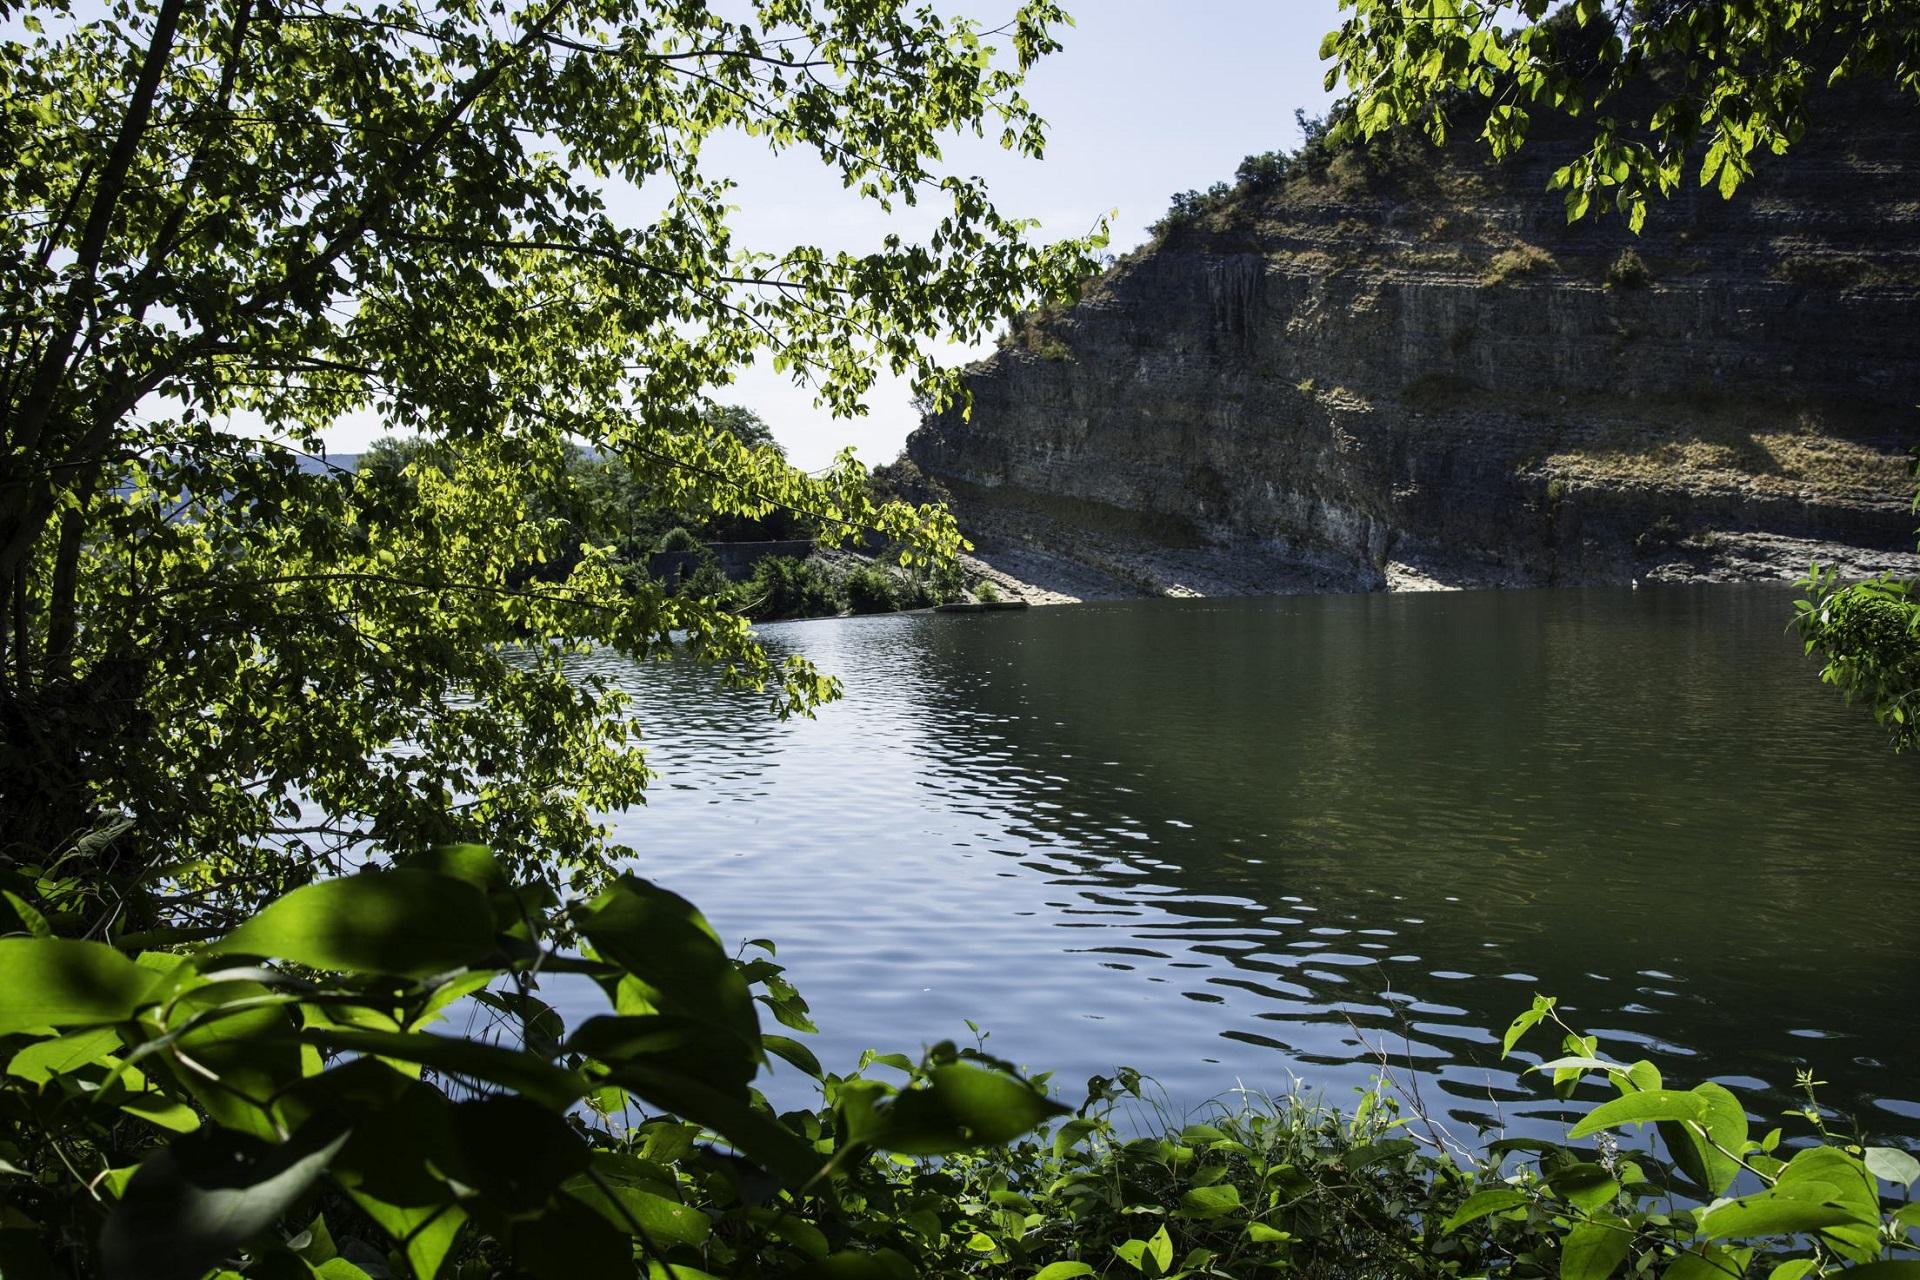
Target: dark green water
(1249,842)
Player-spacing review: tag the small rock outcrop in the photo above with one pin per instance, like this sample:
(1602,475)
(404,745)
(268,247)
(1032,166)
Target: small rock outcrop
(1402,367)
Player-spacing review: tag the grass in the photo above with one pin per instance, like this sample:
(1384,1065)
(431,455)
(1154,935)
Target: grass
(1521,260)
(1841,270)
(1780,461)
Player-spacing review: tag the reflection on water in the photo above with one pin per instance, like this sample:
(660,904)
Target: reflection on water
(1242,842)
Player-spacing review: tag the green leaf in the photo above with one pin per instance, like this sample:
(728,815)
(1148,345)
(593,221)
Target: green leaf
(60,982)
(570,1241)
(514,1152)
(1210,1202)
(1769,1215)
(1793,1270)
(390,1166)
(1578,1064)
(960,1108)
(757,1135)
(1894,1269)
(665,943)
(407,922)
(1712,1263)
(44,1059)
(25,915)
(544,1083)
(792,1051)
(1542,1005)
(1705,1158)
(1062,1271)
(1482,1203)
(641,1212)
(1652,1105)
(162,1111)
(1071,1134)
(1594,1250)
(473,863)
(1585,1185)
(1890,1164)
(1375,1152)
(195,1201)
(693,1047)
(1160,1249)
(1831,1176)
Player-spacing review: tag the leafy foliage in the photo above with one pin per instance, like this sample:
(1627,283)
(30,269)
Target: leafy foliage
(1263,172)
(1668,86)
(791,587)
(274,1103)
(1869,633)
(302,1103)
(227,226)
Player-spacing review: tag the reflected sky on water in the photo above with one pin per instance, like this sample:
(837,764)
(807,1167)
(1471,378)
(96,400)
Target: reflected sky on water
(1249,843)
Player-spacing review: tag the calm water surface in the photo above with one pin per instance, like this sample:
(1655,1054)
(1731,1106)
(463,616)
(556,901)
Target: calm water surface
(1254,842)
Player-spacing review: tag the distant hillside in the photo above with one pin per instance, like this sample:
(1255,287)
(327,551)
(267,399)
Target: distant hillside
(1401,366)
(330,462)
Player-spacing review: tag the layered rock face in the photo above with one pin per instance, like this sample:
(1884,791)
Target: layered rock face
(1407,368)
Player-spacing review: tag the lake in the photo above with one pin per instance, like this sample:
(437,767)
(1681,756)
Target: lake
(1255,843)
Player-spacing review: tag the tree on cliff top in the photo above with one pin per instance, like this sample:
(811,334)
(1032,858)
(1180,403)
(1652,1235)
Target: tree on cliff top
(224,226)
(1669,89)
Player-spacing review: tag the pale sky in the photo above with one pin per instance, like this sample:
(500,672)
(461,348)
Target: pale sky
(1147,98)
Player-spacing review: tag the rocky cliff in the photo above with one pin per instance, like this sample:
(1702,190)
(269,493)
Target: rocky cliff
(1402,367)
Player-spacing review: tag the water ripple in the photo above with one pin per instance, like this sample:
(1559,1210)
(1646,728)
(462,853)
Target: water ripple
(1259,842)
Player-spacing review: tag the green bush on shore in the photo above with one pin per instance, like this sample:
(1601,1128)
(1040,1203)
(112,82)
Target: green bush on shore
(271,1103)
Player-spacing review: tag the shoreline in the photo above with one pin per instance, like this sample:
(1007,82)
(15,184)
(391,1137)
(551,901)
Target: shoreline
(1113,569)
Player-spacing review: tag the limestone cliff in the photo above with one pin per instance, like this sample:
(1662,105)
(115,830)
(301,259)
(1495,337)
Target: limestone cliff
(1405,366)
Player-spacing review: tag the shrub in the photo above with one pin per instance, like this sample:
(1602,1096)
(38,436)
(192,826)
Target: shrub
(1190,206)
(1521,260)
(1628,271)
(678,539)
(291,1116)
(705,581)
(1869,634)
(1661,534)
(986,592)
(871,589)
(791,587)
(1265,171)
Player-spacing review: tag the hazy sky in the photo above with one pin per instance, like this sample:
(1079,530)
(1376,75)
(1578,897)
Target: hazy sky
(1147,98)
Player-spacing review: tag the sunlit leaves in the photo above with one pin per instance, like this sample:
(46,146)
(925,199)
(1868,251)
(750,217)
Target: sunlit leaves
(59,982)
(1869,634)
(958,1108)
(408,921)
(400,216)
(1658,80)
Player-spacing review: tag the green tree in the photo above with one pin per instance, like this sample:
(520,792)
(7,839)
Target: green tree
(228,225)
(746,426)
(1668,90)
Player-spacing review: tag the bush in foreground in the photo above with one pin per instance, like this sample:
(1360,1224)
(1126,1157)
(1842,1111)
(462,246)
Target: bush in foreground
(273,1103)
